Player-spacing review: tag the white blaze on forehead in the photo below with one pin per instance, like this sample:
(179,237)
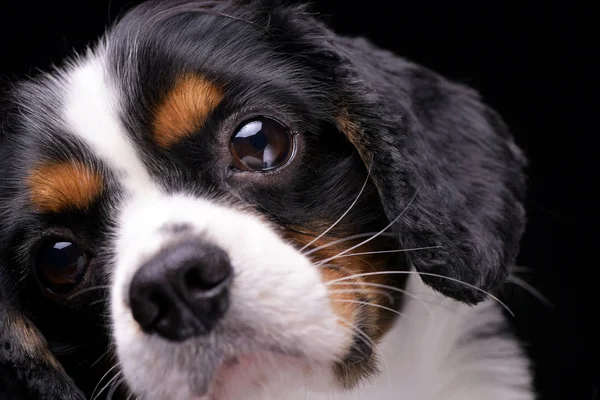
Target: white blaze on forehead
(92,113)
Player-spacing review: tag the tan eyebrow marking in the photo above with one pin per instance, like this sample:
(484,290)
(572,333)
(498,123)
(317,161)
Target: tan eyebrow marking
(185,109)
(62,186)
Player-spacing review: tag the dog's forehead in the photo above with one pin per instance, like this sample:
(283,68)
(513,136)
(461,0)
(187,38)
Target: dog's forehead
(243,54)
(157,38)
(86,125)
(155,79)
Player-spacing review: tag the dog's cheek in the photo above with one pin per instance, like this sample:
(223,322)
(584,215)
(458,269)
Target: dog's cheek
(24,352)
(344,301)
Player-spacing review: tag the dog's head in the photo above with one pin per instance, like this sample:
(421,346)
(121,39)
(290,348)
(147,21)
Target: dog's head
(225,187)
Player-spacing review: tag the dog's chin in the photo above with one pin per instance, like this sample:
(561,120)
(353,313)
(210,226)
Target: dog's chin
(272,372)
(240,374)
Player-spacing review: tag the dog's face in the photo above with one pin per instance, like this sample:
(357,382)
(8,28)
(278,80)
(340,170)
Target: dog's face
(215,190)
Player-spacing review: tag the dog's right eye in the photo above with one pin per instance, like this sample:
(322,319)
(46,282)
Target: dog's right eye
(61,266)
(261,144)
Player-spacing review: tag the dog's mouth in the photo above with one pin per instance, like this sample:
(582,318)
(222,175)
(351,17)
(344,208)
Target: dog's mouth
(241,366)
(247,366)
(225,363)
(228,370)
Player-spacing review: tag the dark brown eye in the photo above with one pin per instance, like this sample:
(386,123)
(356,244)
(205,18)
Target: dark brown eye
(61,266)
(261,144)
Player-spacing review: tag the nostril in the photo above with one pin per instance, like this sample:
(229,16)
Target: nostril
(160,305)
(203,277)
(147,304)
(193,281)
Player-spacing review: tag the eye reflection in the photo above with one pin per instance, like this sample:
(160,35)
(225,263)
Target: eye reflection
(261,144)
(61,266)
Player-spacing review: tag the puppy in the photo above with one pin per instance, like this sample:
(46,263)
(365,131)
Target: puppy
(226,200)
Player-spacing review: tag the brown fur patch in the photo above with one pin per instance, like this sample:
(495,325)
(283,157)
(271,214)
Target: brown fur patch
(31,341)
(347,126)
(63,186)
(185,109)
(356,289)
(355,300)
(342,299)
(354,134)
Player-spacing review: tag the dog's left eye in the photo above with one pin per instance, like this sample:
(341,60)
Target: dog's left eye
(261,144)
(61,266)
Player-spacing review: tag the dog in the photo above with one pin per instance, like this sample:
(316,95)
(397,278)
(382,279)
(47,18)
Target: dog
(228,200)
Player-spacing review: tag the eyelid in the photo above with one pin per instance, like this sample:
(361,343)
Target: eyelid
(251,117)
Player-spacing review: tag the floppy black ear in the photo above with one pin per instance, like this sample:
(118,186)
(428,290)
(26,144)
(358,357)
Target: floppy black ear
(443,161)
(27,368)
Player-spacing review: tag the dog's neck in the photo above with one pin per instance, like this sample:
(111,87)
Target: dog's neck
(438,348)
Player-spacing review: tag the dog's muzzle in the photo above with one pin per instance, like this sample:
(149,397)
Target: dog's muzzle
(183,291)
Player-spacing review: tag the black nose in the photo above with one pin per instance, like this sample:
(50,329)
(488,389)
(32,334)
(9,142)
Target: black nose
(183,291)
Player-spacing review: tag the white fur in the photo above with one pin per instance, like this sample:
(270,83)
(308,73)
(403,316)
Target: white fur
(277,298)
(91,112)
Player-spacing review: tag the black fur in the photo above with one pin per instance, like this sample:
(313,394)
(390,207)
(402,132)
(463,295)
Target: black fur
(439,159)
(436,140)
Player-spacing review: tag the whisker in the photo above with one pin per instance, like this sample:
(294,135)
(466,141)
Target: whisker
(343,215)
(101,379)
(368,341)
(426,274)
(336,267)
(381,292)
(374,236)
(389,251)
(532,290)
(131,396)
(93,303)
(366,303)
(362,339)
(117,376)
(346,239)
(360,332)
(114,387)
(395,289)
(100,358)
(88,290)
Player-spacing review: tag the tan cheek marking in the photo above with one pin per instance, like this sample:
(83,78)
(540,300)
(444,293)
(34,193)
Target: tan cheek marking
(372,320)
(63,186)
(346,266)
(185,109)
(342,300)
(32,342)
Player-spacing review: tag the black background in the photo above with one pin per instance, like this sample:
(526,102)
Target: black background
(532,61)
